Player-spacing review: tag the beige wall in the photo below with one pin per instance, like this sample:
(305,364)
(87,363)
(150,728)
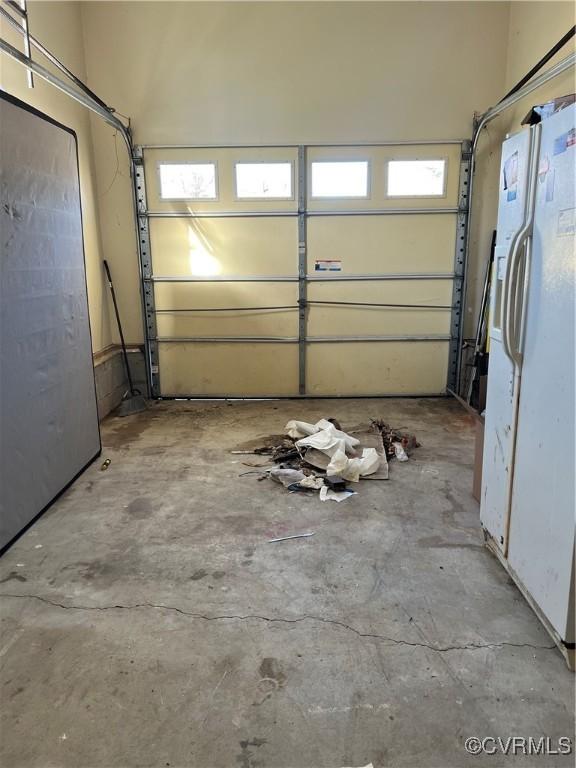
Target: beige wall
(58,26)
(261,72)
(282,72)
(272,72)
(534,28)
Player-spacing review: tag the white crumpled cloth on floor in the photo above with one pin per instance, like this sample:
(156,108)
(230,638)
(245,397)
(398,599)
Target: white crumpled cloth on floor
(323,436)
(353,469)
(335,444)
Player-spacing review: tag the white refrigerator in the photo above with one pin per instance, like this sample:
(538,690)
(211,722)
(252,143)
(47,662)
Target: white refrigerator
(528,483)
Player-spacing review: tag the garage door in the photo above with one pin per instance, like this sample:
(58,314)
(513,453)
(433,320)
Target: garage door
(304,270)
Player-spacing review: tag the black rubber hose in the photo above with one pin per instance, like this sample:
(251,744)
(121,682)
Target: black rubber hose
(544,60)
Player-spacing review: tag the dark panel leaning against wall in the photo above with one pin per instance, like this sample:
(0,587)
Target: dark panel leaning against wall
(48,414)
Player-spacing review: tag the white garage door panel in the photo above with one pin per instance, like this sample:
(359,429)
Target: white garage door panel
(368,244)
(333,320)
(206,295)
(216,324)
(227,370)
(377,368)
(204,247)
(202,296)
(364,321)
(213,264)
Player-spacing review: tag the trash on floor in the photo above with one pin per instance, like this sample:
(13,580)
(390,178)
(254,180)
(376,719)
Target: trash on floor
(286,476)
(327,494)
(353,469)
(324,457)
(399,451)
(335,483)
(368,766)
(312,481)
(326,438)
(391,436)
(295,536)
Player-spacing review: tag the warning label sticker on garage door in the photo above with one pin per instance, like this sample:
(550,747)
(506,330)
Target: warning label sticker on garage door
(328,265)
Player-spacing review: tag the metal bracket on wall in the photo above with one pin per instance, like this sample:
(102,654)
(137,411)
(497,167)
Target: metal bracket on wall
(456,320)
(302,269)
(145,254)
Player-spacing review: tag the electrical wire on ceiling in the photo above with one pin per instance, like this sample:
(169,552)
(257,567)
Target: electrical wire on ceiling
(117,171)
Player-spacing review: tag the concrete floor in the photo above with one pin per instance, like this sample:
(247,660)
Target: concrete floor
(146,621)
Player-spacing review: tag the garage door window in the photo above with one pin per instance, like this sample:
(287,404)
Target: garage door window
(188,181)
(264,181)
(344,179)
(416,178)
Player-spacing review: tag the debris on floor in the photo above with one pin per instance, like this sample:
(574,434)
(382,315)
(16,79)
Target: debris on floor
(287,476)
(327,494)
(295,536)
(368,766)
(313,482)
(322,457)
(399,451)
(391,436)
(335,483)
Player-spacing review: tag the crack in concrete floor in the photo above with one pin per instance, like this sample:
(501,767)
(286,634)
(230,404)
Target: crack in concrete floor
(392,641)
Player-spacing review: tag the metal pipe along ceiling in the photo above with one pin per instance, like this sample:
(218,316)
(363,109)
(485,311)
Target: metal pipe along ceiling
(544,60)
(562,66)
(78,96)
(51,58)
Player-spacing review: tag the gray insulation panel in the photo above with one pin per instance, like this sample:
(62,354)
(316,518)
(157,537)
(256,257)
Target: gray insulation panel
(48,415)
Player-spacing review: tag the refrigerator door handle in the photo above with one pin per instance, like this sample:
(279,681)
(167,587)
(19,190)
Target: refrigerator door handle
(515,302)
(507,294)
(513,307)
(519,316)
